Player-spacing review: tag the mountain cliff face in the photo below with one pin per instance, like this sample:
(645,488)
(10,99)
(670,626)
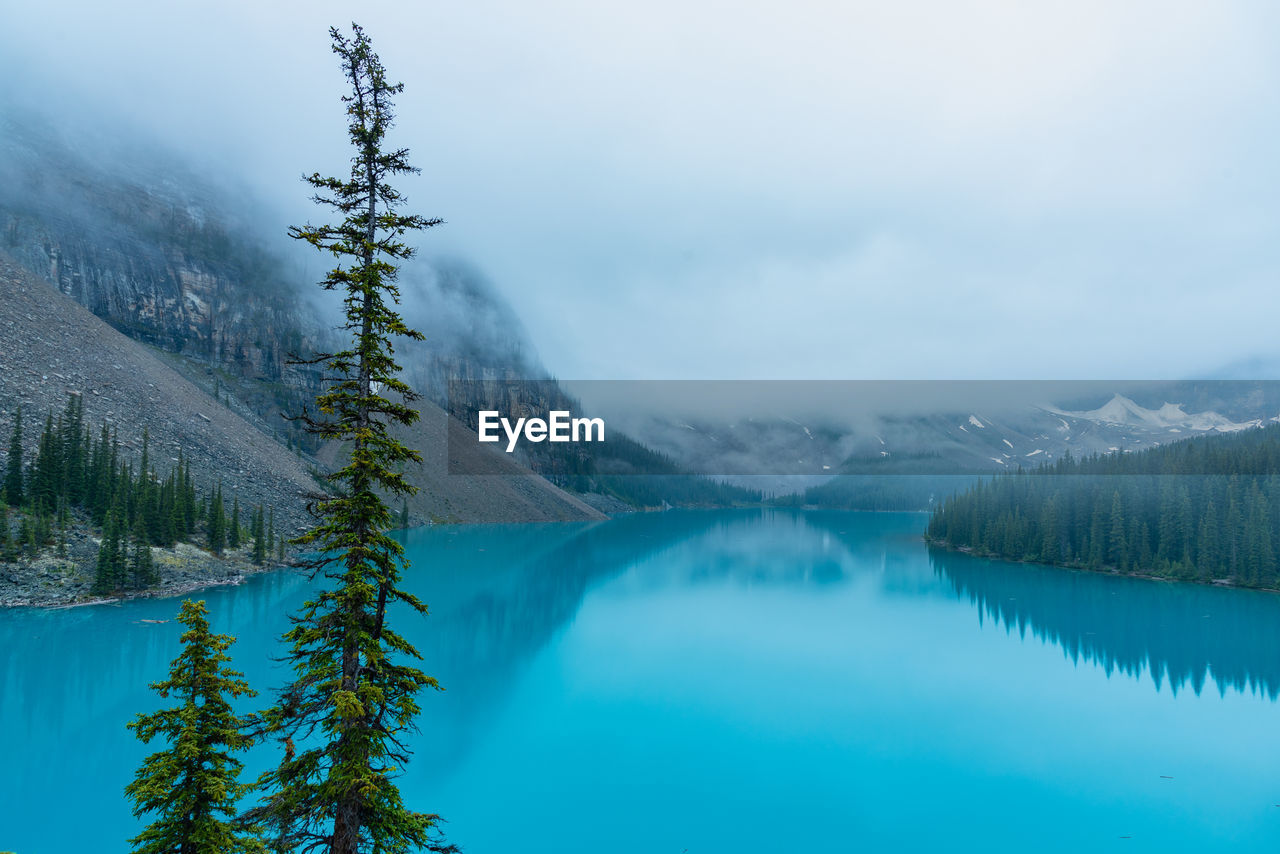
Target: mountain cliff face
(52,348)
(148,250)
(160,255)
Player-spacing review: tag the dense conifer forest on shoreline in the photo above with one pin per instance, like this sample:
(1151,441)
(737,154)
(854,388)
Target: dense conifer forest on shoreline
(75,478)
(1203,509)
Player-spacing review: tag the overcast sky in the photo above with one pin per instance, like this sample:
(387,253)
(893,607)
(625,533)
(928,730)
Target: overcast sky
(798,189)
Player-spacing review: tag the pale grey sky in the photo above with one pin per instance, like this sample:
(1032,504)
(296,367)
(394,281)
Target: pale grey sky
(798,189)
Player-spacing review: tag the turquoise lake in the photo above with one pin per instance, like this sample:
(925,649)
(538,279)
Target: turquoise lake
(729,681)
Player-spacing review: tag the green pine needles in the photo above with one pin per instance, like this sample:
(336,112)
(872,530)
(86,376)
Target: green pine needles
(191,786)
(353,695)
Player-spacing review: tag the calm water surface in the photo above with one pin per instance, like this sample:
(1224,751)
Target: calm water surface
(730,682)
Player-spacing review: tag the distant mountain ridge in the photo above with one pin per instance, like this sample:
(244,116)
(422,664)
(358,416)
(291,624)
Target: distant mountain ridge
(1122,411)
(950,440)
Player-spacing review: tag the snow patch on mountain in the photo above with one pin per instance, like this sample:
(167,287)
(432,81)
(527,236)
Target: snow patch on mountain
(1120,410)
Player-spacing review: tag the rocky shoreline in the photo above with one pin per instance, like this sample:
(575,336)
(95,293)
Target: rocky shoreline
(53,581)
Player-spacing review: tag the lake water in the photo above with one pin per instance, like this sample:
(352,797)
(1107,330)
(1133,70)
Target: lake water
(740,681)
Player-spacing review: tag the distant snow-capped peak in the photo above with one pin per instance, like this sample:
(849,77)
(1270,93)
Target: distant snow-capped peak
(1120,410)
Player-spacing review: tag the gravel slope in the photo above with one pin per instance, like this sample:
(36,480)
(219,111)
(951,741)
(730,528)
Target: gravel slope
(51,347)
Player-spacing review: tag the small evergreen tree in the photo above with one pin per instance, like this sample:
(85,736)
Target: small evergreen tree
(259,538)
(44,530)
(142,571)
(27,535)
(13,493)
(216,523)
(233,529)
(46,474)
(192,785)
(64,522)
(102,471)
(24,535)
(190,504)
(73,449)
(110,574)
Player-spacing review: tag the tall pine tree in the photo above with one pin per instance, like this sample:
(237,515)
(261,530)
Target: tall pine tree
(354,691)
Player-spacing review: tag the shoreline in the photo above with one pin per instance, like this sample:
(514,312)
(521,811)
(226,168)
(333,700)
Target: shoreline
(1115,573)
(186,561)
(165,591)
(58,583)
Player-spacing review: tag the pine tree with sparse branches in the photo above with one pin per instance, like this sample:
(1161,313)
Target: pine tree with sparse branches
(192,785)
(352,700)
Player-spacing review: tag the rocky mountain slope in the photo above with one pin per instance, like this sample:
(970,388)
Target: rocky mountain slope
(51,347)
